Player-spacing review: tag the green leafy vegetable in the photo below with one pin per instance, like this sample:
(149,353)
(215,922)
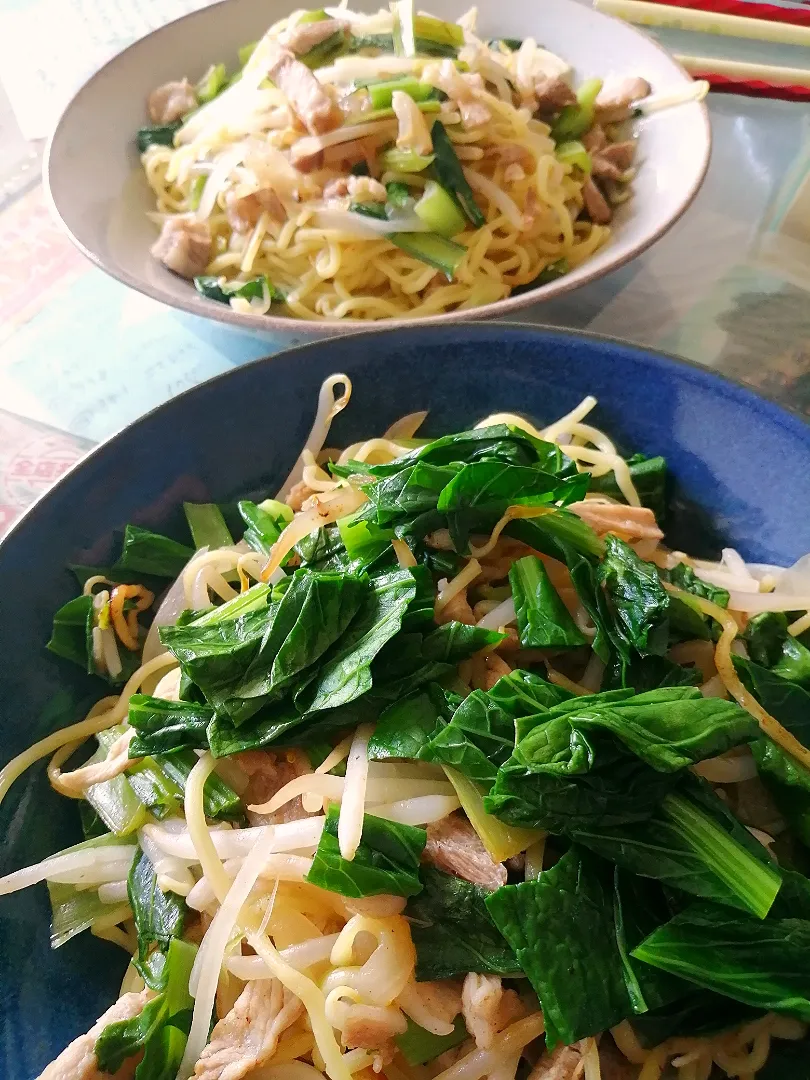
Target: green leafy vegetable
(212,83)
(649,476)
(165,726)
(636,598)
(247,662)
(787,779)
(387,860)
(765,964)
(72,629)
(207,525)
(770,645)
(147,552)
(264,523)
(74,910)
(221,290)
(406,726)
(158,916)
(160,1029)
(479,494)
(157,135)
(542,618)
(418,1046)
(581,985)
(437,251)
(450,175)
(345,672)
(696,846)
(669,729)
(453,932)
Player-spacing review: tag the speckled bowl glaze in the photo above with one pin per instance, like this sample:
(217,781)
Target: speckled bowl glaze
(97,187)
(729,453)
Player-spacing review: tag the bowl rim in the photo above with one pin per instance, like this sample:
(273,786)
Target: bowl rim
(270,323)
(694,372)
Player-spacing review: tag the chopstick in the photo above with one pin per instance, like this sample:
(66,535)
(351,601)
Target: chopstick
(706,66)
(647,14)
(756,80)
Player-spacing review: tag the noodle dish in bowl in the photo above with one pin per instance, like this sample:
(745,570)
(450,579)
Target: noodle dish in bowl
(436,762)
(355,167)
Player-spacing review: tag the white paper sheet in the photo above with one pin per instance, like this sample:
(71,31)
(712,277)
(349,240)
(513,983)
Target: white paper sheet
(48,48)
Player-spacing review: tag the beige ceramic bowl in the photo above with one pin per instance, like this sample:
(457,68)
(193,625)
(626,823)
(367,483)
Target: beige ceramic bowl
(98,191)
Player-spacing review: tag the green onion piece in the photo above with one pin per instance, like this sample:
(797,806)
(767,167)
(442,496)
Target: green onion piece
(508,43)
(450,174)
(207,525)
(440,211)
(430,106)
(437,32)
(406,161)
(196,191)
(381,93)
(374,210)
(317,15)
(211,83)
(157,135)
(217,288)
(432,249)
(325,51)
(575,120)
(246,52)
(574,153)
(398,194)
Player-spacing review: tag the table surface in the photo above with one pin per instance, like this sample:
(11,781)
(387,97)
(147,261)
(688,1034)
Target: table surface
(81,355)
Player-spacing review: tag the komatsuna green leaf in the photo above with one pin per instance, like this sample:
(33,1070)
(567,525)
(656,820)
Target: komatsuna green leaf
(254,659)
(344,672)
(649,476)
(639,907)
(479,738)
(770,645)
(636,598)
(481,492)
(160,1030)
(264,522)
(72,630)
(694,844)
(644,673)
(616,790)
(147,552)
(406,726)
(453,932)
(413,659)
(498,442)
(387,860)
(787,779)
(687,621)
(165,726)
(419,1046)
(581,985)
(669,729)
(542,618)
(409,492)
(158,916)
(558,535)
(762,963)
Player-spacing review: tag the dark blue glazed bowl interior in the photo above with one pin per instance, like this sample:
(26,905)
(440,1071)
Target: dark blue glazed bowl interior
(741,477)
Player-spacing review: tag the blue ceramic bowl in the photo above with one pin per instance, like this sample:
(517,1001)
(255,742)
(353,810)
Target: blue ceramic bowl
(741,477)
